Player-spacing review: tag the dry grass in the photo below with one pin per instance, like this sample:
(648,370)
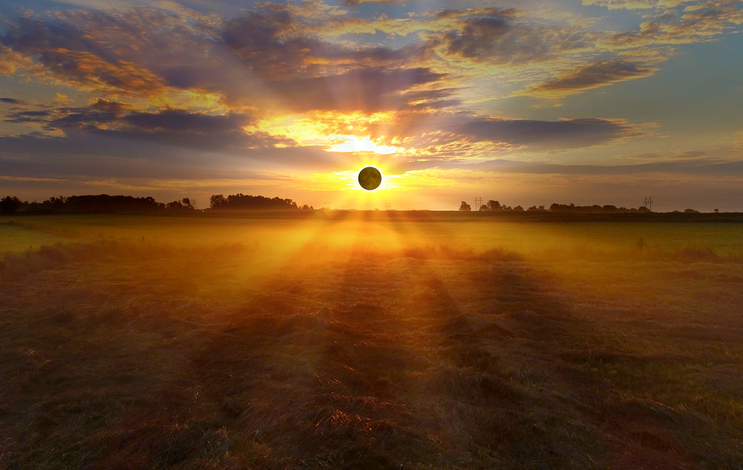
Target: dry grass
(147,355)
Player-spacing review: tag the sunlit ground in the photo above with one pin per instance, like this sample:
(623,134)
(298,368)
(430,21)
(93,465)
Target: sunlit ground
(369,340)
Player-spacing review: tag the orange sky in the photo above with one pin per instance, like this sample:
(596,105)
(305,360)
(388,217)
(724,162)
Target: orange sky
(590,102)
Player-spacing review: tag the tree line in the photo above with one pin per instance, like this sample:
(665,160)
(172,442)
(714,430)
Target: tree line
(241,201)
(106,204)
(495,206)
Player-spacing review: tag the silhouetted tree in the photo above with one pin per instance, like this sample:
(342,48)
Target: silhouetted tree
(217,201)
(594,209)
(465,207)
(241,201)
(493,205)
(518,209)
(101,203)
(10,204)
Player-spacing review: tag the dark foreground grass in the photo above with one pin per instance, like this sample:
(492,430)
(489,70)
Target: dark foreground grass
(141,356)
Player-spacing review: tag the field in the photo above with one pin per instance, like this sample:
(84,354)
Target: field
(369,340)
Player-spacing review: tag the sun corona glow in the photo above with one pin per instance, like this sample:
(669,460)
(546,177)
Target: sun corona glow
(352,143)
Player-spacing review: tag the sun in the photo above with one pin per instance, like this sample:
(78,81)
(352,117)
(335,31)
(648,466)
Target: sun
(370,178)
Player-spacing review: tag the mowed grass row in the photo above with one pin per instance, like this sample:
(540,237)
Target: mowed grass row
(310,355)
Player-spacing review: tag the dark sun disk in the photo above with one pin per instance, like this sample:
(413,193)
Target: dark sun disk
(370,178)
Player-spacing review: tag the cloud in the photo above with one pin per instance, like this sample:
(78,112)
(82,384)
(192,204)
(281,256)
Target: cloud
(683,167)
(498,37)
(357,2)
(569,133)
(635,4)
(592,75)
(174,127)
(117,155)
(699,22)
(623,4)
(10,101)
(367,90)
(450,135)
(255,60)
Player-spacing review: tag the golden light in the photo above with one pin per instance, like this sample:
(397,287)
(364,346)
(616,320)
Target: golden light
(353,144)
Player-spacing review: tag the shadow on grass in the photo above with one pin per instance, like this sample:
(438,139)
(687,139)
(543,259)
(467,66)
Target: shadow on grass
(435,359)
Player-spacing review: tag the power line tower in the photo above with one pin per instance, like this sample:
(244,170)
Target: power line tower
(327,205)
(387,206)
(648,202)
(478,203)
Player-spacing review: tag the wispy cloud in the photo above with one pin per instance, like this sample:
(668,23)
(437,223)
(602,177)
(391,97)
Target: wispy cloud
(592,75)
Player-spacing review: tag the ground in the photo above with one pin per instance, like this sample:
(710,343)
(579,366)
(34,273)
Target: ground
(369,341)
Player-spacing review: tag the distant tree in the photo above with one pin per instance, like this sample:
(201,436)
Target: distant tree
(643,209)
(102,203)
(241,201)
(717,211)
(493,205)
(484,208)
(465,207)
(216,201)
(10,204)
(690,211)
(55,203)
(518,209)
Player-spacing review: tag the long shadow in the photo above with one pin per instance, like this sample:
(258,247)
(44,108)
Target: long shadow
(478,368)
(338,404)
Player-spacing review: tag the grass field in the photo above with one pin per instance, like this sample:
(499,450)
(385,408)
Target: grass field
(369,340)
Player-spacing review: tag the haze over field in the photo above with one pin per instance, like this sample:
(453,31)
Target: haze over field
(584,101)
(369,340)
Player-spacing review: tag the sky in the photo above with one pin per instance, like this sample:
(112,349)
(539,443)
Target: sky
(525,102)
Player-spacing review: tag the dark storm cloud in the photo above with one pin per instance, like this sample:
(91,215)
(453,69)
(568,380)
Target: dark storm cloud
(571,133)
(594,75)
(10,101)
